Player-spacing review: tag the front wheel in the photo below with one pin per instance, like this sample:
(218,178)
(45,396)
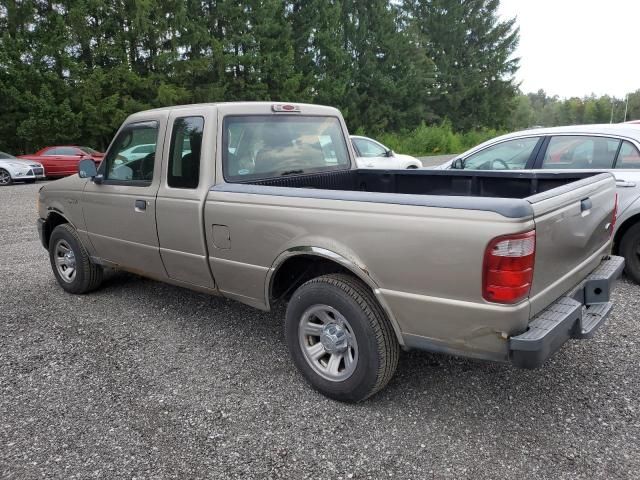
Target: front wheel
(630,250)
(5,178)
(340,339)
(71,263)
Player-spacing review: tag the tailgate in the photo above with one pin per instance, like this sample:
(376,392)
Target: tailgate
(572,234)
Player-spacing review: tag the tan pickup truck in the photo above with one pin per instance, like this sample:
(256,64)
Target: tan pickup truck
(261,202)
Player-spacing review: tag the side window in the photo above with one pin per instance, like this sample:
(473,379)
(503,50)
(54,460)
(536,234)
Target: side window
(580,152)
(184,156)
(628,157)
(51,152)
(369,149)
(122,164)
(508,155)
(67,151)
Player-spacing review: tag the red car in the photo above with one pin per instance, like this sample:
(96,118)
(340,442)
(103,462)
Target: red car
(62,160)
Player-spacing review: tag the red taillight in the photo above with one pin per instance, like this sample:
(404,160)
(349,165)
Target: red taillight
(614,217)
(508,267)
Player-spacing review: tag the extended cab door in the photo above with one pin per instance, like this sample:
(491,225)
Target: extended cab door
(120,210)
(187,176)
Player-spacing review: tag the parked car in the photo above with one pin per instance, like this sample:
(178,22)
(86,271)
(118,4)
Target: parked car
(373,154)
(497,266)
(138,151)
(62,160)
(610,147)
(13,169)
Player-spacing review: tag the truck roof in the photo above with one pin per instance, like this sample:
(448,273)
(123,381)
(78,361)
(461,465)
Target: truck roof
(246,108)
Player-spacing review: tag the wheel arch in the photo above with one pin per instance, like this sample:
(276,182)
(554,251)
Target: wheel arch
(54,218)
(622,229)
(296,265)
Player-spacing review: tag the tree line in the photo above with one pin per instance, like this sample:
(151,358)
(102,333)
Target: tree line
(72,70)
(541,109)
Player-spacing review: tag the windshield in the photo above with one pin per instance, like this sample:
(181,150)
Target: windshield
(264,146)
(6,156)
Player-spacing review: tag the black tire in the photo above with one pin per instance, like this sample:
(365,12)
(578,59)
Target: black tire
(412,167)
(5,178)
(630,250)
(88,276)
(377,346)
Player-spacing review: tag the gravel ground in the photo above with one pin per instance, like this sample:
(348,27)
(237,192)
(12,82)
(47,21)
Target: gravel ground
(144,380)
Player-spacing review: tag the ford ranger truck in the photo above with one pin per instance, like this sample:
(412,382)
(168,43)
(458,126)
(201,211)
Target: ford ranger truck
(263,203)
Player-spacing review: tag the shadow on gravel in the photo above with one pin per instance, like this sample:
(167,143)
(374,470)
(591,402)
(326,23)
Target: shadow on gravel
(423,381)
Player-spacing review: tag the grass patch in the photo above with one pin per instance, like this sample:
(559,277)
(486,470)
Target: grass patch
(435,140)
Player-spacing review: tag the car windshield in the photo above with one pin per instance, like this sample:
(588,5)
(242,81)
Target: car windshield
(6,156)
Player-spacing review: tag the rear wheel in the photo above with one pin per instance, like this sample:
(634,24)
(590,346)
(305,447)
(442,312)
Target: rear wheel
(630,250)
(340,339)
(5,178)
(70,262)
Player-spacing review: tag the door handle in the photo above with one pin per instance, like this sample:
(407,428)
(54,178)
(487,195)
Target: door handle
(585,204)
(625,184)
(141,205)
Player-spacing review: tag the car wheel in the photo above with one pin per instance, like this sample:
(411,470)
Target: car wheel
(340,339)
(5,178)
(630,250)
(412,167)
(70,262)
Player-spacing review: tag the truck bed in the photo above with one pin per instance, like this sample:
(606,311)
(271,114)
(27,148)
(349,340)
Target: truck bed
(509,194)
(432,182)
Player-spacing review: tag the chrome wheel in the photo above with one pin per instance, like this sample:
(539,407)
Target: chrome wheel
(5,178)
(328,343)
(65,261)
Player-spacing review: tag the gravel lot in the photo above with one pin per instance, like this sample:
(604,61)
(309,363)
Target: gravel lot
(144,380)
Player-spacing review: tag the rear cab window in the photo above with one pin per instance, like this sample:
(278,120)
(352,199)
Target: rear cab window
(267,146)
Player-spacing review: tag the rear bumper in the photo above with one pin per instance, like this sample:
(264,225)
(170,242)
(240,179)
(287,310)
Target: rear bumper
(578,315)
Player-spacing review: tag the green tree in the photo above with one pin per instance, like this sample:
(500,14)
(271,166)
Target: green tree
(473,53)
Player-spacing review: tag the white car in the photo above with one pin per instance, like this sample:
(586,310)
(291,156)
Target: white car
(13,169)
(138,151)
(372,154)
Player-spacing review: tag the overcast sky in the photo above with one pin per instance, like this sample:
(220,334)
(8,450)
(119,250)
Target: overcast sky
(577,47)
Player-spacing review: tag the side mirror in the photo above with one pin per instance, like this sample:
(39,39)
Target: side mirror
(389,153)
(87,168)
(457,164)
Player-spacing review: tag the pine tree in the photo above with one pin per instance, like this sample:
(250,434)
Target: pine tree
(472,50)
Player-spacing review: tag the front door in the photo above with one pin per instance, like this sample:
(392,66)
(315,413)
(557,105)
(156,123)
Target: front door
(120,212)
